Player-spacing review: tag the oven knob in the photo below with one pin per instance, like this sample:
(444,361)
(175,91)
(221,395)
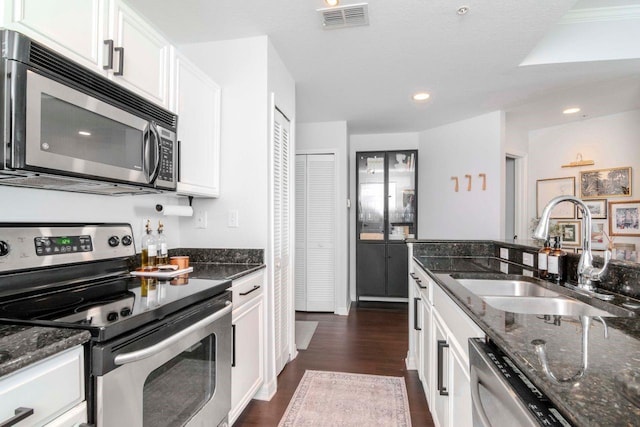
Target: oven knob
(114,241)
(125,312)
(127,240)
(4,248)
(112,316)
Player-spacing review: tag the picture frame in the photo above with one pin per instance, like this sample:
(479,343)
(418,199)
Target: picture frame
(547,189)
(597,207)
(624,252)
(570,232)
(624,218)
(599,183)
(598,238)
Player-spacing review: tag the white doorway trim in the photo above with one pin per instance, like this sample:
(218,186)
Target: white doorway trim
(521,225)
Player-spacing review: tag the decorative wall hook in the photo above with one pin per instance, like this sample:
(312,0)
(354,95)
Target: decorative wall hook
(455,178)
(469,182)
(484,180)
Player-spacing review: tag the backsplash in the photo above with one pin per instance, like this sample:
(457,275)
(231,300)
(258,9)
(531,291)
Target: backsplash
(621,277)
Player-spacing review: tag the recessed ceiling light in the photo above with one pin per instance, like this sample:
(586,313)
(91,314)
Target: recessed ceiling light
(84,133)
(462,10)
(571,110)
(420,96)
(332,3)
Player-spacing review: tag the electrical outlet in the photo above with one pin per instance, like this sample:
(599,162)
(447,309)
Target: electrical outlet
(527,259)
(201,218)
(233,220)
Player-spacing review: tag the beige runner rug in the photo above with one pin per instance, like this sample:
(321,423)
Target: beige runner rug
(342,399)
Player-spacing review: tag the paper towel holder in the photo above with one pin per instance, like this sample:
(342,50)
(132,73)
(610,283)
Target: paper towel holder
(174,210)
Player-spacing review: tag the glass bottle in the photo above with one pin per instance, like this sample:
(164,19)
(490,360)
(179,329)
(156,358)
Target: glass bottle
(149,252)
(543,255)
(161,243)
(557,263)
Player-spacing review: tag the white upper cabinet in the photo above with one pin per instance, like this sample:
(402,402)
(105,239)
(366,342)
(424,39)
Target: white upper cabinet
(103,35)
(196,100)
(141,56)
(74,28)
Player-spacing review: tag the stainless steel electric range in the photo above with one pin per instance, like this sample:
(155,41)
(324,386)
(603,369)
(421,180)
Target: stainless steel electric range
(160,352)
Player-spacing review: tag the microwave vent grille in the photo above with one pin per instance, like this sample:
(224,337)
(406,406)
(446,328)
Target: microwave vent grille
(54,63)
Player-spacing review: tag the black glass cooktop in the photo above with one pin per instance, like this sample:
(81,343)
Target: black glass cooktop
(108,308)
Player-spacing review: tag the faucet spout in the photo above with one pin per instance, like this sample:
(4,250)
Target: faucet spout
(587,273)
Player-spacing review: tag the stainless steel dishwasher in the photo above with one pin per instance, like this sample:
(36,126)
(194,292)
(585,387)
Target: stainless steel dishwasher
(502,395)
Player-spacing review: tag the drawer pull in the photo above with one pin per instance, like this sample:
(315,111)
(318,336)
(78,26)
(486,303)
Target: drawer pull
(415,314)
(20,414)
(413,275)
(442,344)
(255,288)
(233,346)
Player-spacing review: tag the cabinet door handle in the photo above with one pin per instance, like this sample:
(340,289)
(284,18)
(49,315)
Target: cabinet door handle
(413,275)
(442,344)
(415,314)
(255,288)
(233,346)
(120,71)
(20,414)
(109,65)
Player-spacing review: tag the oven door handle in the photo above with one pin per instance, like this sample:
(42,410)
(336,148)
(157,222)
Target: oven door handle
(135,356)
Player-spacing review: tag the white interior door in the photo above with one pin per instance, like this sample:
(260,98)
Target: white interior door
(315,232)
(301,233)
(281,247)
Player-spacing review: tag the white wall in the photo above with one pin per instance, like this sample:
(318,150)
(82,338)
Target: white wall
(331,137)
(372,142)
(240,68)
(472,147)
(32,205)
(611,141)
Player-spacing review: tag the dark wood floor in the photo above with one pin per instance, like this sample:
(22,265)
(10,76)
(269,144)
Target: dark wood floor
(368,341)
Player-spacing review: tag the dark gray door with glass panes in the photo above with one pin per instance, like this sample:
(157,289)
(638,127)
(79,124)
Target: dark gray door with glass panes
(387,212)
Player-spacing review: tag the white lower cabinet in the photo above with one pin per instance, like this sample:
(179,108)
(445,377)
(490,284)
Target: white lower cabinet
(247,372)
(438,335)
(52,388)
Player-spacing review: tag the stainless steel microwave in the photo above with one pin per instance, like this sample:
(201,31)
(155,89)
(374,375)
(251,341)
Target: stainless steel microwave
(65,127)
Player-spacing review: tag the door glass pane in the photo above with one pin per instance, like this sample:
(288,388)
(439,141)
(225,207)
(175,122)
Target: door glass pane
(75,132)
(402,195)
(177,390)
(371,196)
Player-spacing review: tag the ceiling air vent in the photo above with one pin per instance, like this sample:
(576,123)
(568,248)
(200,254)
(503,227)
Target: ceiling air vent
(352,15)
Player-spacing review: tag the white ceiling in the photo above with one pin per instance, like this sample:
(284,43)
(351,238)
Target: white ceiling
(366,75)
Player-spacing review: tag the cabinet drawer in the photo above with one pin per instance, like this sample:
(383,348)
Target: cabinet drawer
(422,279)
(50,387)
(248,287)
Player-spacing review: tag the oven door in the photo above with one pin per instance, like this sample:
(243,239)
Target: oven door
(67,132)
(176,380)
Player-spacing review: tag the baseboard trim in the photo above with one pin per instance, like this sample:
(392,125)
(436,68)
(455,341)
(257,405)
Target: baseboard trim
(267,391)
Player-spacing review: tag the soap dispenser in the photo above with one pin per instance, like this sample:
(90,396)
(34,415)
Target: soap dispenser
(557,263)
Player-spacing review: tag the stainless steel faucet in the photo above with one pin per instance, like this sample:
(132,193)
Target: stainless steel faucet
(587,273)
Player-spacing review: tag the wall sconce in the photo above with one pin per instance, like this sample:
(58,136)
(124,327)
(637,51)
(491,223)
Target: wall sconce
(579,162)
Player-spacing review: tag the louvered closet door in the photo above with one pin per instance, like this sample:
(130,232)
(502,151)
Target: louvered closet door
(320,232)
(281,247)
(301,235)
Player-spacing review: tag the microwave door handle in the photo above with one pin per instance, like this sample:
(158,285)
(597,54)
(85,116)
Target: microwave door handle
(156,169)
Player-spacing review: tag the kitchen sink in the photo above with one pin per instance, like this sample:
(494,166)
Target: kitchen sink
(549,305)
(500,287)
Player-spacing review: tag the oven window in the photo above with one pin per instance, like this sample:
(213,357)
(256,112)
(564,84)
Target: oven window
(177,390)
(75,132)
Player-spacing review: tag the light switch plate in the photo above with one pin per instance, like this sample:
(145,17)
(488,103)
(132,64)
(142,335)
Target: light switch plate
(201,218)
(504,267)
(504,253)
(233,220)
(527,259)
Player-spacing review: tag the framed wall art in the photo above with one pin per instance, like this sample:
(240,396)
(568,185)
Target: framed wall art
(547,189)
(614,182)
(570,233)
(597,207)
(624,218)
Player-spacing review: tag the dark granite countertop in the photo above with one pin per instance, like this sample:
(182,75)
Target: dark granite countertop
(598,398)
(23,345)
(211,270)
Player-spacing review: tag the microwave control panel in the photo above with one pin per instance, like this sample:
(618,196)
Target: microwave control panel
(167,166)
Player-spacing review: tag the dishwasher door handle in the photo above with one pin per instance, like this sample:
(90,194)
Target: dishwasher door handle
(475,397)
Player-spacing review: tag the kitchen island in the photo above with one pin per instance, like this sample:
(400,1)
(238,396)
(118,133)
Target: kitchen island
(614,364)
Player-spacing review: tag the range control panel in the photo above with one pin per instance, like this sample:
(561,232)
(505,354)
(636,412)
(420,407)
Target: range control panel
(28,246)
(57,245)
